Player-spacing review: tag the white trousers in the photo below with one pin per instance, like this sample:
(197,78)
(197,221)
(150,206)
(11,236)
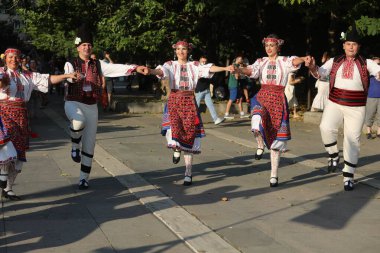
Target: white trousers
(333,117)
(84,123)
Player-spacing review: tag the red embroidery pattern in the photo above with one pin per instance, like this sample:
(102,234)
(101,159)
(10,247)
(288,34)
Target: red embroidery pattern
(271,73)
(273,109)
(14,117)
(183,78)
(348,69)
(185,122)
(360,63)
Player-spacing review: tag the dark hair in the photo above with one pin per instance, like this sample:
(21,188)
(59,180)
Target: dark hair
(273,35)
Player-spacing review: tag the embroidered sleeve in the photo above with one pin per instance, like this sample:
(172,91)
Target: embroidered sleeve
(255,69)
(68,69)
(165,70)
(289,64)
(40,82)
(204,70)
(116,70)
(373,69)
(324,70)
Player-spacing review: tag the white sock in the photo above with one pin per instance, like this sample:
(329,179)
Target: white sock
(188,157)
(275,161)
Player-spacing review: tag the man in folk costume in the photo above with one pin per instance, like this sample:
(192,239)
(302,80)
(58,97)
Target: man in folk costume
(16,86)
(347,99)
(82,97)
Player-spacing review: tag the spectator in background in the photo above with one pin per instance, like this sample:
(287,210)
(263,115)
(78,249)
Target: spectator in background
(322,85)
(108,80)
(235,91)
(373,104)
(290,92)
(202,91)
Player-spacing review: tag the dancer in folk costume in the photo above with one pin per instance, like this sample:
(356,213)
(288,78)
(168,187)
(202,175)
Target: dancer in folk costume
(16,86)
(182,124)
(81,100)
(349,74)
(269,108)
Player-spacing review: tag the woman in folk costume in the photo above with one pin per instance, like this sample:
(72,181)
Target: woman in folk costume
(8,154)
(16,86)
(182,124)
(269,108)
(349,75)
(81,100)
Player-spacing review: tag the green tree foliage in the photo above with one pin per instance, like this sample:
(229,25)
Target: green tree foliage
(349,11)
(221,28)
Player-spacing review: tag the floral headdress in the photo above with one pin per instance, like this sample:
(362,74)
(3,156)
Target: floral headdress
(279,42)
(184,44)
(12,51)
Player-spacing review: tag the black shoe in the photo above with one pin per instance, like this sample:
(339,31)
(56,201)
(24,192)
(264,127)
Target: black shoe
(348,185)
(75,155)
(13,196)
(369,136)
(275,184)
(259,156)
(332,165)
(177,159)
(3,184)
(188,181)
(83,184)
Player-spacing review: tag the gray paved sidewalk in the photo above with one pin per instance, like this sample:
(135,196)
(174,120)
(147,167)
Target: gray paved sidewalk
(308,212)
(56,217)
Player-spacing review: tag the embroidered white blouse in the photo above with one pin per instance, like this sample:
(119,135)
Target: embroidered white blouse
(22,83)
(172,71)
(348,76)
(273,72)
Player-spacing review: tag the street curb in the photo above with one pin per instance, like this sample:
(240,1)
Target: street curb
(198,236)
(297,159)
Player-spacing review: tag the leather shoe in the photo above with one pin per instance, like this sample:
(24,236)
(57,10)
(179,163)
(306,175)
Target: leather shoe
(75,155)
(176,156)
(13,196)
(188,181)
(348,185)
(273,184)
(258,155)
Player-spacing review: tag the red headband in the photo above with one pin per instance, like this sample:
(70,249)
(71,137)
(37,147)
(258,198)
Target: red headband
(12,51)
(183,43)
(278,41)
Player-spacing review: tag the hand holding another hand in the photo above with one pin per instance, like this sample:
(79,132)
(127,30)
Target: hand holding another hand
(143,70)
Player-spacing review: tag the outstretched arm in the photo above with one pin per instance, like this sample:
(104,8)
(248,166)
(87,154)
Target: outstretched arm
(220,69)
(148,71)
(55,79)
(299,60)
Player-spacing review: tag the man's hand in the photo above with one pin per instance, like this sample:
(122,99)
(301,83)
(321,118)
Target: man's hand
(143,70)
(230,68)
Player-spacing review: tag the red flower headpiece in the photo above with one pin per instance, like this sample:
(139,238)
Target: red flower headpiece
(184,44)
(12,51)
(279,42)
